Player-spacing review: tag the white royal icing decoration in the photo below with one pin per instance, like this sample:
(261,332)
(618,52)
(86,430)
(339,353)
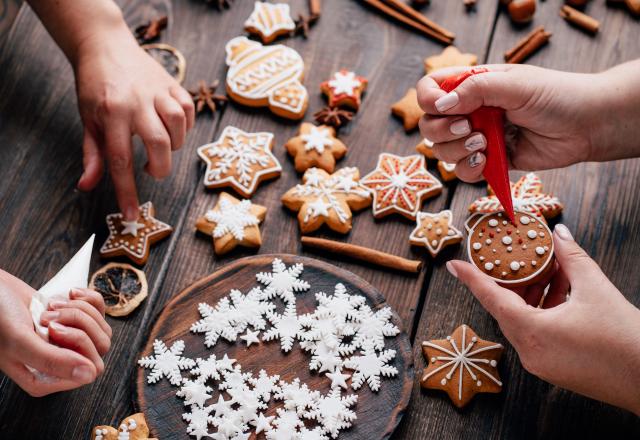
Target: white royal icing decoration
(131,228)
(269,18)
(344,83)
(317,139)
(232,218)
(540,250)
(532,234)
(166,362)
(514,265)
(507,240)
(524,220)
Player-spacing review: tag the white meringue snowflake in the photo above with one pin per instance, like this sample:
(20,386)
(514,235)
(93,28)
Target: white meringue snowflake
(230,426)
(262,423)
(283,282)
(324,325)
(286,327)
(264,385)
(297,397)
(323,356)
(194,392)
(343,305)
(316,433)
(286,425)
(373,327)
(234,379)
(215,322)
(166,362)
(211,367)
(248,403)
(249,309)
(198,421)
(222,408)
(370,366)
(333,413)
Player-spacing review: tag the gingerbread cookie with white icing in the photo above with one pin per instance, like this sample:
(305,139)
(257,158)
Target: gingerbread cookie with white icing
(270,21)
(463,365)
(316,147)
(239,160)
(133,427)
(232,223)
(345,89)
(329,199)
(133,239)
(435,231)
(513,254)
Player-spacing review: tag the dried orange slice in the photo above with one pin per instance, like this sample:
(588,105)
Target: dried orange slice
(122,286)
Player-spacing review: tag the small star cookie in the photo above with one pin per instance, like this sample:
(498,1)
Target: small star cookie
(316,147)
(240,160)
(400,184)
(408,110)
(133,239)
(344,89)
(327,198)
(449,57)
(462,365)
(435,231)
(133,427)
(269,21)
(447,170)
(231,223)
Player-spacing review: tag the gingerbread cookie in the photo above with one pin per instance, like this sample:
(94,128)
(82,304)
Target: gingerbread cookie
(527,197)
(240,160)
(266,76)
(400,184)
(344,89)
(463,365)
(449,57)
(408,110)
(316,147)
(231,223)
(269,21)
(447,170)
(133,427)
(513,254)
(133,239)
(327,198)
(435,231)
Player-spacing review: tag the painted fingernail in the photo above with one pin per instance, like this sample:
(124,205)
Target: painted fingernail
(47,317)
(58,328)
(447,101)
(563,232)
(476,159)
(57,304)
(75,293)
(460,127)
(82,374)
(475,143)
(452,270)
(131,214)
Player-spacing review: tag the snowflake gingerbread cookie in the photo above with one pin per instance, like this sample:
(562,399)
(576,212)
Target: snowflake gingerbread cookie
(462,365)
(408,110)
(400,184)
(239,160)
(447,170)
(315,147)
(269,21)
(232,223)
(344,89)
(435,231)
(266,76)
(133,427)
(327,198)
(133,239)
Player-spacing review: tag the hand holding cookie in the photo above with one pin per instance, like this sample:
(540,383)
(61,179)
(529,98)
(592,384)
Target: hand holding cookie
(585,336)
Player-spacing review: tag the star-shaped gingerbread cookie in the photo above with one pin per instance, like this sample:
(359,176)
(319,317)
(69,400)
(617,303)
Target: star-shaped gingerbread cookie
(240,160)
(447,170)
(232,222)
(449,57)
(435,231)
(133,239)
(400,184)
(316,147)
(462,365)
(327,198)
(344,89)
(269,21)
(133,427)
(408,110)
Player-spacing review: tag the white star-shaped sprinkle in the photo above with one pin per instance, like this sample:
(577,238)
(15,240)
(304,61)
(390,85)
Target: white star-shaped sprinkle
(131,228)
(338,379)
(250,337)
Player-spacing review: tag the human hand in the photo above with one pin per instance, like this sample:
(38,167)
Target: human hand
(78,337)
(550,116)
(123,92)
(589,343)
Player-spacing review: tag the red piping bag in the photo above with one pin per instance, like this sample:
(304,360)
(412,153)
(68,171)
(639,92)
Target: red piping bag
(490,122)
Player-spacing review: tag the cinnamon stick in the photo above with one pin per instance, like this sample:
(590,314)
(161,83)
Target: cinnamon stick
(416,15)
(365,254)
(382,7)
(580,19)
(527,46)
(315,8)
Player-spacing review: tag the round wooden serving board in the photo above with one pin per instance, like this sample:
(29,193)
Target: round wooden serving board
(378,413)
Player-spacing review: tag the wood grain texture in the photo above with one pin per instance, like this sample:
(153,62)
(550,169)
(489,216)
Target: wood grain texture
(378,413)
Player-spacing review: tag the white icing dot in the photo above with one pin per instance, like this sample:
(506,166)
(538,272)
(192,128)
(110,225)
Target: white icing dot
(434,243)
(504,274)
(531,234)
(541,234)
(493,363)
(479,383)
(474,339)
(477,246)
(429,226)
(524,220)
(488,241)
(498,230)
(540,250)
(514,265)
(481,258)
(443,381)
(449,338)
(546,248)
(480,234)
(524,246)
(433,359)
(522,264)
(488,266)
(493,222)
(493,250)
(504,222)
(498,262)
(509,249)
(533,262)
(507,240)
(439,231)
(539,226)
(499,214)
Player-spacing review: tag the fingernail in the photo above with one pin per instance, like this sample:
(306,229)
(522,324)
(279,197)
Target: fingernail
(563,232)
(460,127)
(476,159)
(131,214)
(82,374)
(452,270)
(58,303)
(75,293)
(447,101)
(475,142)
(58,328)
(47,317)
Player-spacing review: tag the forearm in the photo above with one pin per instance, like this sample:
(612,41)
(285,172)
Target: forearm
(74,23)
(616,101)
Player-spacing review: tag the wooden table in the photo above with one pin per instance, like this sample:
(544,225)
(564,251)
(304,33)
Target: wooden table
(44,219)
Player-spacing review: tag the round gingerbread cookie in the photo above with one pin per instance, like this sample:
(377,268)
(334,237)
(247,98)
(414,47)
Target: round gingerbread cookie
(514,254)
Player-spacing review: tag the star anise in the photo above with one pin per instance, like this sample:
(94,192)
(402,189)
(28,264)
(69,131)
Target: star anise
(206,96)
(333,116)
(303,24)
(151,30)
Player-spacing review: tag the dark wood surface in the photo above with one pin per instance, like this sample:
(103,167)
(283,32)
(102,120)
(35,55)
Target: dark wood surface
(378,413)
(44,219)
